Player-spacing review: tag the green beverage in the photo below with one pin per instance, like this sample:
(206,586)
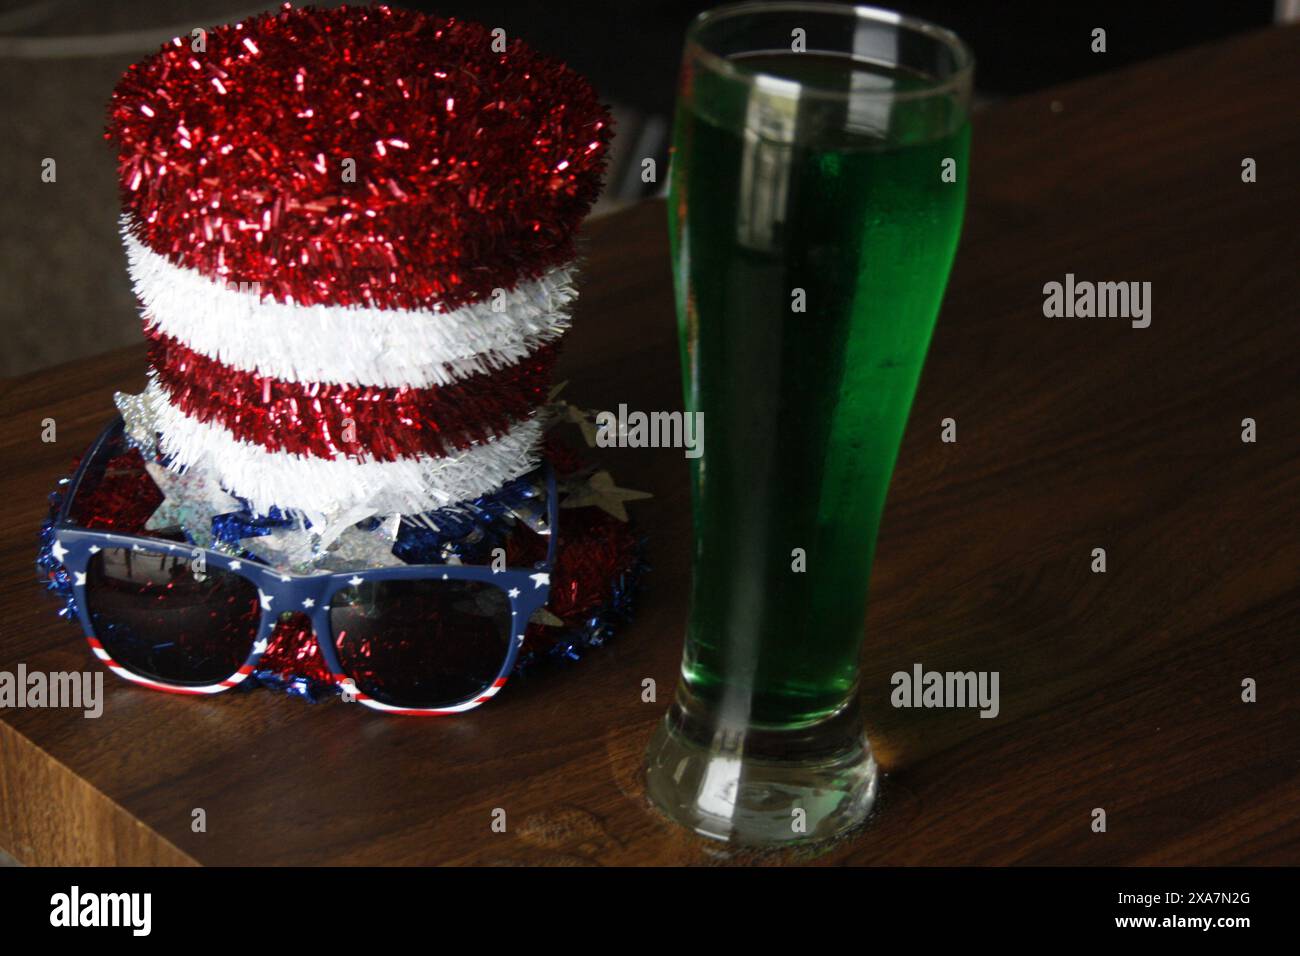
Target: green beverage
(816,197)
(804,410)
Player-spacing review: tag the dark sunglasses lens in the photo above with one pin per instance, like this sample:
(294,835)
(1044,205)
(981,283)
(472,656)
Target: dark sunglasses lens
(422,643)
(169,617)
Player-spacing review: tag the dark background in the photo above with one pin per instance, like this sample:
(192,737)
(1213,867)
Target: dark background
(62,268)
(630,47)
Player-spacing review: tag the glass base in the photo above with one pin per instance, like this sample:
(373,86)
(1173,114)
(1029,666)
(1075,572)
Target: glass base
(755,786)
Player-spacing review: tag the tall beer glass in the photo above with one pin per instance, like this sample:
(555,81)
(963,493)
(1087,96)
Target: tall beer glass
(818,181)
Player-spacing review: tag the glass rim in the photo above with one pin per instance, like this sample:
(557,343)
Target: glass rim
(964,57)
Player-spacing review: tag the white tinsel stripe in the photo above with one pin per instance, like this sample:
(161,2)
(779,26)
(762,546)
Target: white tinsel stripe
(289,481)
(346,345)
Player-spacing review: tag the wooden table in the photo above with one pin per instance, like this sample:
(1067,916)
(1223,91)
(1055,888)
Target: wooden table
(1119,690)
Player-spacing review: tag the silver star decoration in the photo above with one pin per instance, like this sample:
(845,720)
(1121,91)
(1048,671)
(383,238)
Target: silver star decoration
(330,527)
(282,547)
(545,618)
(308,603)
(601,492)
(81,578)
(139,420)
(585,421)
(236,565)
(540,579)
(58,550)
(514,593)
(389,527)
(355,581)
(265,599)
(94,549)
(260,647)
(190,500)
(356,549)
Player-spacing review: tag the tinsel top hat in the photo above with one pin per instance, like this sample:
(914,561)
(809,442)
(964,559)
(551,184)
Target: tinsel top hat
(352,235)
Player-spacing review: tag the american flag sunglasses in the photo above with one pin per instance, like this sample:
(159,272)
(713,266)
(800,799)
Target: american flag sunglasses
(420,639)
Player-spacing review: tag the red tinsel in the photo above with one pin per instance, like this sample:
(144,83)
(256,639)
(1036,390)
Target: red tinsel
(563,457)
(122,499)
(473,168)
(387,423)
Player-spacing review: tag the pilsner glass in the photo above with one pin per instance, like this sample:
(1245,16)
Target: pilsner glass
(817,188)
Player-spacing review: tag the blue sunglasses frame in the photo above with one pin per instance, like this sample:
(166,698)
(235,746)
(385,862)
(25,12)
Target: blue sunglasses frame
(527,589)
